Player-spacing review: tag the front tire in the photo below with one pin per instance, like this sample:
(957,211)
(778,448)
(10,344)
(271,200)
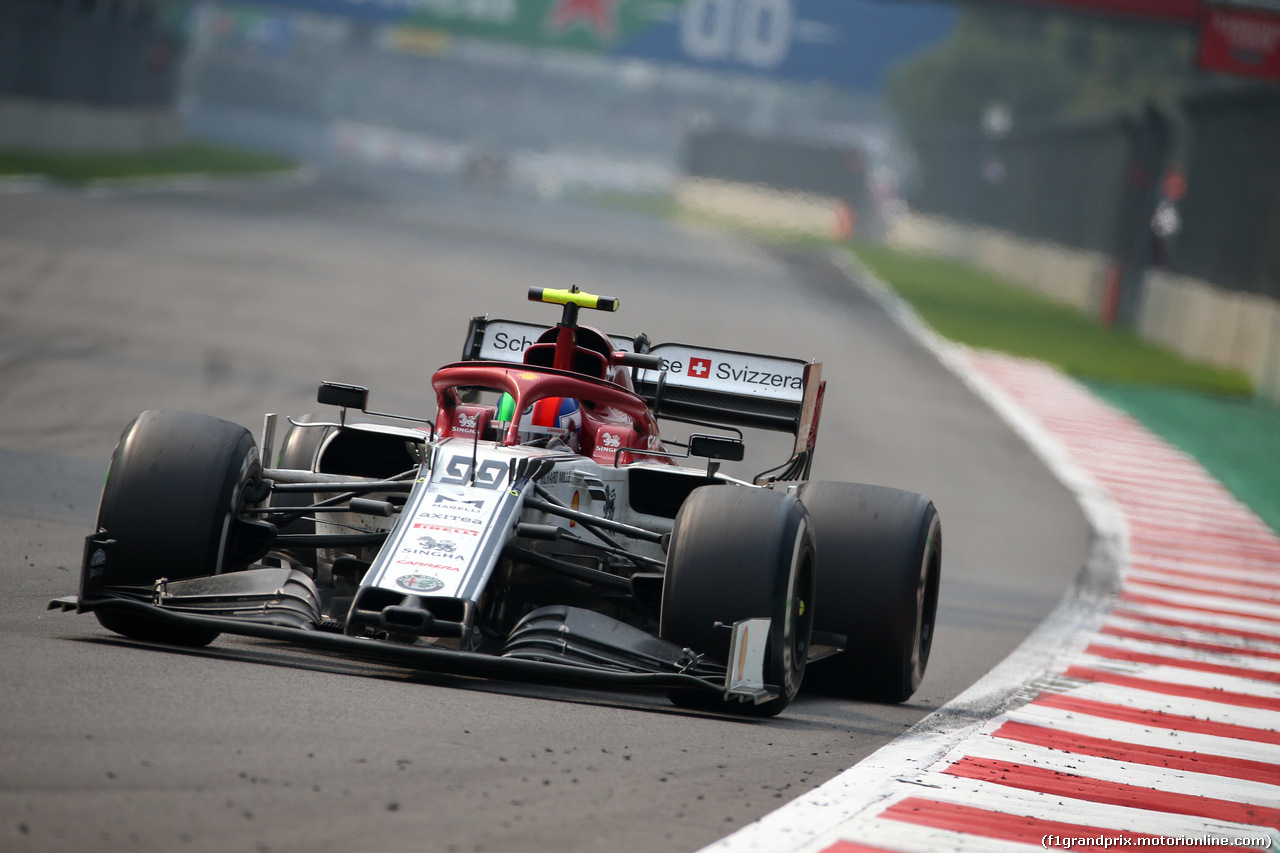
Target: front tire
(879,566)
(175,487)
(741,553)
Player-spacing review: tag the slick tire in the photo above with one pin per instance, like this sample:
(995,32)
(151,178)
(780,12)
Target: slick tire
(741,553)
(175,486)
(879,565)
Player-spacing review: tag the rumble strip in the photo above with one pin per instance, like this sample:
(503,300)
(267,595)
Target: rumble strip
(1144,711)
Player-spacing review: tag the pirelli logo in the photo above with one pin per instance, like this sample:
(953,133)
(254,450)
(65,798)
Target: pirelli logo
(445,528)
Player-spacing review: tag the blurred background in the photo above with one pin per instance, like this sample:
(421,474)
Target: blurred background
(1092,183)
(1117,155)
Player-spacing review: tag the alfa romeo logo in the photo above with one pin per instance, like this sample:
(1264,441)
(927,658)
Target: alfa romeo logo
(420,583)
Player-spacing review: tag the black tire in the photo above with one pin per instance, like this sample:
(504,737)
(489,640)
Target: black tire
(298,451)
(176,482)
(741,553)
(879,566)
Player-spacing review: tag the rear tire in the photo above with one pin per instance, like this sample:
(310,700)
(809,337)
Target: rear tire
(176,483)
(741,553)
(879,566)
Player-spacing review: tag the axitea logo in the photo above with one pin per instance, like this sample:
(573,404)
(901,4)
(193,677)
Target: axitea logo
(700,367)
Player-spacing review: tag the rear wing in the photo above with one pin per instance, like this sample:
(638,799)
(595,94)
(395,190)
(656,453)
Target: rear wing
(702,385)
(506,340)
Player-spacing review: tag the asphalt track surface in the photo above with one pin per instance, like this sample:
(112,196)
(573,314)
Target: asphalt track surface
(237,301)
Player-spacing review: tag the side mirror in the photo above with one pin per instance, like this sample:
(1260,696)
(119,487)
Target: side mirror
(638,359)
(717,447)
(344,396)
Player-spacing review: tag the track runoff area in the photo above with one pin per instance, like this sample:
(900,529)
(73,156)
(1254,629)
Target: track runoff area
(1144,712)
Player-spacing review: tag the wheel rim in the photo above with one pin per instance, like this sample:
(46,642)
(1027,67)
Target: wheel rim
(926,602)
(249,466)
(798,618)
(801,616)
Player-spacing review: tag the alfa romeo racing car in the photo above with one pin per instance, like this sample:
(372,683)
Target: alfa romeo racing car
(537,528)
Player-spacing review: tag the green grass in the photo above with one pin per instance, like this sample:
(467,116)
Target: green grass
(1237,441)
(977,309)
(188,159)
(1203,410)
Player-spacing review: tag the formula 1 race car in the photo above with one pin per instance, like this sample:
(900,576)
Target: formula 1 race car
(537,529)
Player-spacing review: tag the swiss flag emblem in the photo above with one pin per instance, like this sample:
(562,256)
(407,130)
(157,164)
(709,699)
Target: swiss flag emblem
(700,367)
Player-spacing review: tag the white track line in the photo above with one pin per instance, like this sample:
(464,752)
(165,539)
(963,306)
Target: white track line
(1103,816)
(1269,614)
(1175,634)
(1136,733)
(1203,709)
(1267,669)
(1109,770)
(1203,621)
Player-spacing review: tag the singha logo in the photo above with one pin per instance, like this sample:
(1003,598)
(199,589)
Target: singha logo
(611,441)
(466,421)
(435,544)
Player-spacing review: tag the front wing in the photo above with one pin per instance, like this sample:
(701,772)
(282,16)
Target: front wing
(740,682)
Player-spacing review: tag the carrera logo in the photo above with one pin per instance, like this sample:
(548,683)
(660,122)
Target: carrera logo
(755,377)
(419,564)
(701,367)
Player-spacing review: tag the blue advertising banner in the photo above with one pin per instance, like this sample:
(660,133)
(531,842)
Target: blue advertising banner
(846,42)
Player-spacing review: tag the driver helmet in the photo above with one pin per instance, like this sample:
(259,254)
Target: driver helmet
(549,418)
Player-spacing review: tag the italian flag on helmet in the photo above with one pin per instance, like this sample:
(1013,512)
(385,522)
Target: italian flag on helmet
(560,417)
